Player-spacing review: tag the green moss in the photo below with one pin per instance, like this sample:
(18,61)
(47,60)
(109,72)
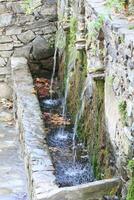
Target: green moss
(131,27)
(131,165)
(77,83)
(60,40)
(94,27)
(116,4)
(121,39)
(109,80)
(95,165)
(91,131)
(130,195)
(69,49)
(27,6)
(73,30)
(123,112)
(95,69)
(76,61)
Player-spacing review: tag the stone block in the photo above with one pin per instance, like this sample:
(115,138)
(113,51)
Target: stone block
(5,54)
(15,30)
(36,3)
(2,9)
(26,37)
(5,19)
(5,91)
(3,62)
(41,48)
(5,39)
(5,116)
(6,47)
(18,62)
(18,8)
(23,51)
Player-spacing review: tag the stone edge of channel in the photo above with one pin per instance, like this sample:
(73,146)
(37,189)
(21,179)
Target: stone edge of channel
(38,164)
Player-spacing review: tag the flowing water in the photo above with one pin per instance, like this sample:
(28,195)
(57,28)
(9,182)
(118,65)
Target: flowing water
(53,73)
(62,137)
(78,116)
(60,140)
(66,95)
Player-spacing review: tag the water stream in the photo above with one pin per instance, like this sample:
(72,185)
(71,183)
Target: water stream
(60,138)
(62,133)
(53,73)
(77,118)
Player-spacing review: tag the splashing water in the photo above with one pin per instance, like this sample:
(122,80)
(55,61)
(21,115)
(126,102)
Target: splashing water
(78,116)
(53,74)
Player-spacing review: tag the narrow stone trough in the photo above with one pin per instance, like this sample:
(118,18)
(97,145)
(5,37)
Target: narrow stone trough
(60,136)
(38,163)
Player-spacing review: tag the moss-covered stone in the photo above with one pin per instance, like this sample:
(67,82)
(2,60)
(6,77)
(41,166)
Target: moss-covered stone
(91,130)
(77,83)
(130,195)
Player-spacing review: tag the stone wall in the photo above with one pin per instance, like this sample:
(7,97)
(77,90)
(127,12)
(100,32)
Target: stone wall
(26,33)
(108,42)
(114,53)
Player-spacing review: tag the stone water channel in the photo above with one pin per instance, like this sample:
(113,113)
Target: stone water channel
(46,182)
(70,168)
(27,36)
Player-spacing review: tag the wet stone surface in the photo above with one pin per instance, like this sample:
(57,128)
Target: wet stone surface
(12,175)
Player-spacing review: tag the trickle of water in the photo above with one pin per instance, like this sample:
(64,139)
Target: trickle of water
(53,74)
(60,136)
(71,66)
(66,95)
(78,116)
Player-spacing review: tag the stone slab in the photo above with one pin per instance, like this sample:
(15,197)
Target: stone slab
(30,123)
(13,184)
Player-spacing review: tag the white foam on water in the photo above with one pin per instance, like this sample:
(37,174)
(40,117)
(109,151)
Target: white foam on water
(75,171)
(61,135)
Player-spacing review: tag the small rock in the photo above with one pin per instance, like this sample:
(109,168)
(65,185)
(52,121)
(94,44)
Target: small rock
(5,19)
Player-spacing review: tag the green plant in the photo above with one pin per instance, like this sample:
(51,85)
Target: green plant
(131,165)
(123,112)
(109,80)
(95,26)
(116,4)
(73,30)
(131,27)
(27,6)
(60,40)
(130,195)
